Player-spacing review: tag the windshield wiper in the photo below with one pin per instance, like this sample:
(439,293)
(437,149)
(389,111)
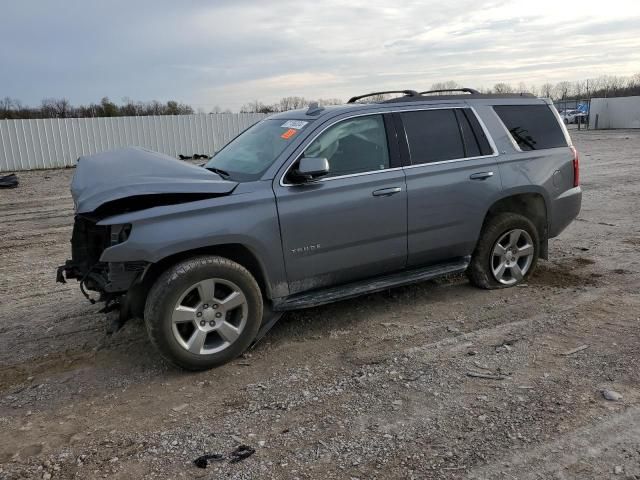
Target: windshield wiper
(222,173)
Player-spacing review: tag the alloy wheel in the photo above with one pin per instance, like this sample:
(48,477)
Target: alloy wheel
(209,316)
(512,256)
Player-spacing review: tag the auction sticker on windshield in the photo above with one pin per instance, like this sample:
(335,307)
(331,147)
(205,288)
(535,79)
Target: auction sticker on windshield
(289,133)
(295,124)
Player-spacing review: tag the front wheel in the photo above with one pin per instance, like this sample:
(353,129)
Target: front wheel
(507,252)
(203,312)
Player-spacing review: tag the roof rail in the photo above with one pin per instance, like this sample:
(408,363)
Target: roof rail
(466,90)
(408,93)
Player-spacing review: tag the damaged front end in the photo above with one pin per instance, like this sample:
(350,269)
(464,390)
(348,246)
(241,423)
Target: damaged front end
(119,182)
(109,280)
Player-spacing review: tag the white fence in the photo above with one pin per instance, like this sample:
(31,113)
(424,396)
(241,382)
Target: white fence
(617,112)
(58,142)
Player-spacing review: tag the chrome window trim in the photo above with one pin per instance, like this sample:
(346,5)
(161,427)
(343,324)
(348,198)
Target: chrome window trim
(397,110)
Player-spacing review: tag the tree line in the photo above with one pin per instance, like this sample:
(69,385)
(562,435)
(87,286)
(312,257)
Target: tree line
(603,86)
(62,108)
(286,104)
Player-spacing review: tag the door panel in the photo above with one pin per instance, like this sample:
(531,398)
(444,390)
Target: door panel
(446,208)
(337,230)
(451,180)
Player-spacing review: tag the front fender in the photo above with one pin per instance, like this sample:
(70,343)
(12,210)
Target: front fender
(248,219)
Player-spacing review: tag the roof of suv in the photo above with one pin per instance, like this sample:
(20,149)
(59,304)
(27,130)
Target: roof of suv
(424,98)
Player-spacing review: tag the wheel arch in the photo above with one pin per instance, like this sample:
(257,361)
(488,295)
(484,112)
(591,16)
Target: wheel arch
(530,204)
(236,252)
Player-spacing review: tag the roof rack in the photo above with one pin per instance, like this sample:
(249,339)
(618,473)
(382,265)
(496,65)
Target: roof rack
(466,90)
(407,93)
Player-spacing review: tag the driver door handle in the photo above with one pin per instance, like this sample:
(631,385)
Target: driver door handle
(386,192)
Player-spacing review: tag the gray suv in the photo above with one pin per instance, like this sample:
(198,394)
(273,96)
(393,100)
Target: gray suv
(312,206)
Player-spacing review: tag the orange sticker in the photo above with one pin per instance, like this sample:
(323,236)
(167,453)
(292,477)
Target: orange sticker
(289,133)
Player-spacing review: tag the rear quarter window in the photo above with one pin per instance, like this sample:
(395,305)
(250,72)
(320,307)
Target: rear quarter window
(532,127)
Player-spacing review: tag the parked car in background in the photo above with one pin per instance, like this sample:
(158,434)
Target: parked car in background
(312,206)
(573,116)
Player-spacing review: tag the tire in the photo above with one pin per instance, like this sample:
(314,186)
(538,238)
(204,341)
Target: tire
(487,259)
(203,312)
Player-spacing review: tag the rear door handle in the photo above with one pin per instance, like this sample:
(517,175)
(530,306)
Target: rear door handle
(481,175)
(386,192)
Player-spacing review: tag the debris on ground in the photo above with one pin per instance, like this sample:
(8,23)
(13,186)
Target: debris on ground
(506,345)
(575,350)
(611,395)
(203,461)
(195,156)
(241,452)
(9,181)
(489,376)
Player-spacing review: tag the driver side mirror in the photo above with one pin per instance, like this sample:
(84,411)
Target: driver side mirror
(310,168)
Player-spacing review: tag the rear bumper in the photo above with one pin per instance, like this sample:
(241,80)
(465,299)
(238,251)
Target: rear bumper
(564,210)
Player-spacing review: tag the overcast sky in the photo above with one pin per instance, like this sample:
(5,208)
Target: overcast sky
(229,52)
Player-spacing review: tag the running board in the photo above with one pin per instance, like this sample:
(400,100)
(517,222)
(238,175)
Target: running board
(350,290)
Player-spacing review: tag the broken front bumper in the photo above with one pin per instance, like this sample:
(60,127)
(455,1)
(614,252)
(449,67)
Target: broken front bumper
(88,242)
(102,277)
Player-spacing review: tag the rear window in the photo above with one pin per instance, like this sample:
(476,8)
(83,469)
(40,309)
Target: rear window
(532,127)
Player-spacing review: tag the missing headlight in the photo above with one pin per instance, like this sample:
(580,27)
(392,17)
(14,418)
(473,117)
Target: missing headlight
(120,233)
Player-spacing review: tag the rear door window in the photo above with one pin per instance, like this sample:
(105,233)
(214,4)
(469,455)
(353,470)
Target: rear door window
(444,134)
(532,127)
(432,135)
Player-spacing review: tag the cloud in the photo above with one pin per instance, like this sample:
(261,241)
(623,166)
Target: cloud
(227,52)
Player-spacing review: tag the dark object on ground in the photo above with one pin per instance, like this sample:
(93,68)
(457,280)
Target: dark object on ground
(203,461)
(195,156)
(9,181)
(241,452)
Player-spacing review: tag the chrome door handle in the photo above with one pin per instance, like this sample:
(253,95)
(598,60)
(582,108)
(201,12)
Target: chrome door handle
(385,192)
(481,175)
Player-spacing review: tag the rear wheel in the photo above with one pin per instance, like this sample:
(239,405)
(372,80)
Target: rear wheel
(203,312)
(507,252)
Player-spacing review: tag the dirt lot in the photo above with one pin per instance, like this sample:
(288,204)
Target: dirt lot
(370,388)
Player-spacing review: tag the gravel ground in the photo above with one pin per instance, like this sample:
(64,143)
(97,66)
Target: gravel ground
(376,387)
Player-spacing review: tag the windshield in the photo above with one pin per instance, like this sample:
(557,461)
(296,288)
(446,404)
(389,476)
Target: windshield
(247,156)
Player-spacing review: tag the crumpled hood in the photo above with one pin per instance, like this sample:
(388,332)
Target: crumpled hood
(135,171)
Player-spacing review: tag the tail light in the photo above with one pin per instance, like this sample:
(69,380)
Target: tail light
(576,167)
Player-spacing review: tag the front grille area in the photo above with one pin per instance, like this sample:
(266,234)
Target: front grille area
(88,241)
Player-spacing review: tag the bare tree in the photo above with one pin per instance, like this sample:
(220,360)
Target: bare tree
(563,90)
(290,103)
(546,90)
(55,108)
(448,85)
(502,87)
